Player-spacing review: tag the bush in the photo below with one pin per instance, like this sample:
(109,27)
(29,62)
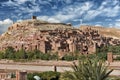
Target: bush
(50,75)
(69,57)
(53,57)
(102,56)
(1,55)
(87,69)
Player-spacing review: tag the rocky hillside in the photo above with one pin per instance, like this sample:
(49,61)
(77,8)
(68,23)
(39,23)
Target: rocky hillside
(107,32)
(27,28)
(57,37)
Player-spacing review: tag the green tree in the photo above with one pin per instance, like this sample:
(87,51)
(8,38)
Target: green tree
(114,49)
(88,69)
(9,52)
(37,54)
(49,75)
(30,55)
(1,55)
(69,57)
(21,54)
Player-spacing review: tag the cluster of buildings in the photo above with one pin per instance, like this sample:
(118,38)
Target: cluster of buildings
(53,37)
(18,75)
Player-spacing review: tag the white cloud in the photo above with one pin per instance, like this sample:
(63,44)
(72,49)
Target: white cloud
(111,12)
(53,20)
(19,8)
(87,12)
(9,3)
(69,13)
(68,1)
(98,22)
(86,6)
(110,25)
(6,21)
(105,10)
(98,25)
(117,20)
(91,14)
(62,17)
(49,19)
(30,10)
(19,20)
(84,11)
(5,24)
(43,17)
(108,19)
(22,1)
(15,3)
(115,2)
(117,24)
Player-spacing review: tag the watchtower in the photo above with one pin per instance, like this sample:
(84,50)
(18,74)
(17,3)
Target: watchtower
(34,17)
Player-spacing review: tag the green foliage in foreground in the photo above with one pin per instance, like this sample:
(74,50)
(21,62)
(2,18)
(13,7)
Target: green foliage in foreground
(21,54)
(50,75)
(87,69)
(109,48)
(102,51)
(69,57)
(10,53)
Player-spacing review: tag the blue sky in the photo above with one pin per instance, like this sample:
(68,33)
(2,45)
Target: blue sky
(90,12)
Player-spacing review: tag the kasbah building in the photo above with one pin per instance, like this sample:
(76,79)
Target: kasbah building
(54,37)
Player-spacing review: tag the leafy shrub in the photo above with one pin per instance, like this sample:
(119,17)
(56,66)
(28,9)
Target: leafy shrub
(69,57)
(50,75)
(87,69)
(102,56)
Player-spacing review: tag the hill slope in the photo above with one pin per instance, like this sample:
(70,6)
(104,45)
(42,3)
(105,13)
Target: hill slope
(107,32)
(57,37)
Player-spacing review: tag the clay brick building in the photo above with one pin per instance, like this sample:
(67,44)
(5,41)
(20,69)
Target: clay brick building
(4,76)
(53,37)
(20,75)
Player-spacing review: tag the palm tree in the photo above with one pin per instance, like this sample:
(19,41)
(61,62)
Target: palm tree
(88,69)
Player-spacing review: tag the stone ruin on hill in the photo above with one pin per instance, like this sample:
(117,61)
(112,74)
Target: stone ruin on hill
(53,37)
